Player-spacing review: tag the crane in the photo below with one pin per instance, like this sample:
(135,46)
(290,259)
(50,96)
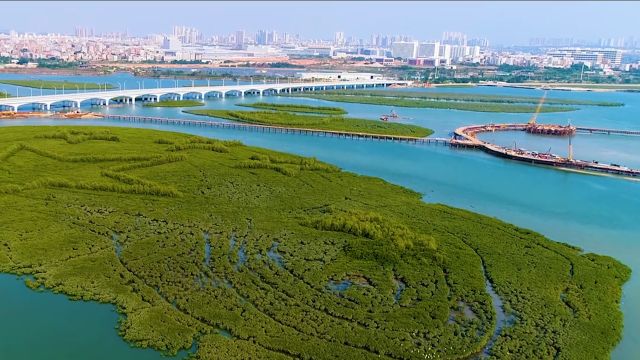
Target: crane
(533,119)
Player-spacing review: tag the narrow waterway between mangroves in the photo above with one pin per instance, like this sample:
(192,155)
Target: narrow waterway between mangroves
(598,213)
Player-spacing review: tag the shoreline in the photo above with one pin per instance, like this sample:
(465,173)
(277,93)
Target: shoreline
(105,69)
(567,86)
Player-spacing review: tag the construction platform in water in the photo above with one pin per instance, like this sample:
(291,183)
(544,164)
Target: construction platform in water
(550,129)
(469,134)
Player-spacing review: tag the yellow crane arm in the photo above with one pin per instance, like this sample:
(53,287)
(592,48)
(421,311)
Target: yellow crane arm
(535,114)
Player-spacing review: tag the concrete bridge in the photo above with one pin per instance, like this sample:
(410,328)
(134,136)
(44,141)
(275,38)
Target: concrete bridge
(78,99)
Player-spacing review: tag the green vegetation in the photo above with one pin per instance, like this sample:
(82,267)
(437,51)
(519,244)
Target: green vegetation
(436,104)
(283,65)
(175,103)
(331,123)
(466,97)
(59,64)
(51,85)
(51,63)
(326,110)
(192,244)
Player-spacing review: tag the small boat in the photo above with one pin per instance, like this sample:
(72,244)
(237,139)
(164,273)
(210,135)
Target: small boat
(392,115)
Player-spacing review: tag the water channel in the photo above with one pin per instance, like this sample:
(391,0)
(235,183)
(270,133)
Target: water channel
(597,213)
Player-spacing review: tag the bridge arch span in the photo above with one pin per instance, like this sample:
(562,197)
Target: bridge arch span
(69,103)
(234,92)
(148,97)
(35,105)
(126,99)
(193,95)
(169,96)
(270,91)
(252,91)
(93,101)
(214,93)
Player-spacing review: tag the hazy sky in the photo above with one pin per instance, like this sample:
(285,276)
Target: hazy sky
(502,22)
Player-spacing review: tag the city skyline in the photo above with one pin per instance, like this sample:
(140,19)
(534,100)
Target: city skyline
(543,20)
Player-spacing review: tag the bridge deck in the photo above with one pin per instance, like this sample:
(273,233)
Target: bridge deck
(201,91)
(607,131)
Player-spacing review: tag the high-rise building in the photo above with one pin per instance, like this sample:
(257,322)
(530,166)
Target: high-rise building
(171,43)
(429,49)
(454,38)
(264,37)
(481,42)
(187,35)
(339,39)
(405,49)
(272,37)
(286,38)
(239,38)
(445,54)
(261,37)
(458,53)
(83,32)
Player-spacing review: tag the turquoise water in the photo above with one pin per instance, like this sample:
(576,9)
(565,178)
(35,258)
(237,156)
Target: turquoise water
(47,326)
(597,213)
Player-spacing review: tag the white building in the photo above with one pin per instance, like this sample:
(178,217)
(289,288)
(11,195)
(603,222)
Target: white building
(338,76)
(445,55)
(600,57)
(461,53)
(322,51)
(171,43)
(339,39)
(429,50)
(239,39)
(405,49)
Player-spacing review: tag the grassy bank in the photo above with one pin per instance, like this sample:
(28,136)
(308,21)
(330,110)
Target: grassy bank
(326,110)
(175,103)
(51,85)
(483,98)
(437,104)
(333,123)
(187,236)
